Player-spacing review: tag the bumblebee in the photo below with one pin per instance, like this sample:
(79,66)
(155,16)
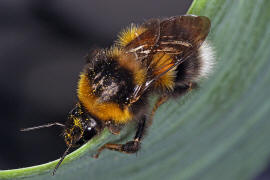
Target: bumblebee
(166,57)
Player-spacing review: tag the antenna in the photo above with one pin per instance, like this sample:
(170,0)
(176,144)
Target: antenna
(43,126)
(62,158)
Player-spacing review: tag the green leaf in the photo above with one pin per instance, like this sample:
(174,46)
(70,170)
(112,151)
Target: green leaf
(218,132)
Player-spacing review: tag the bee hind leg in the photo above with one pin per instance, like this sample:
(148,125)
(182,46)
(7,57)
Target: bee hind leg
(161,100)
(182,89)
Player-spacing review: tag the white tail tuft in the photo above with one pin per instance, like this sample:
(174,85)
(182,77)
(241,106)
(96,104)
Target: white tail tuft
(207,59)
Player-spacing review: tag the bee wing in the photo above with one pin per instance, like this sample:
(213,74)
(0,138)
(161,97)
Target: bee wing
(144,43)
(179,37)
(181,33)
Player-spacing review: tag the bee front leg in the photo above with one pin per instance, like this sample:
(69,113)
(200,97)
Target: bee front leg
(130,146)
(114,128)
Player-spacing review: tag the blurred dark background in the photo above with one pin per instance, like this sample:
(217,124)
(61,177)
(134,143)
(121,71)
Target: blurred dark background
(42,49)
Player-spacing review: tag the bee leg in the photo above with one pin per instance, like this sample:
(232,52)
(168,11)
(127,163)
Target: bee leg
(134,146)
(161,100)
(130,146)
(113,128)
(181,89)
(192,85)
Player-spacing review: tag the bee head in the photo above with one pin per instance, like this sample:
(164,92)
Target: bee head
(80,127)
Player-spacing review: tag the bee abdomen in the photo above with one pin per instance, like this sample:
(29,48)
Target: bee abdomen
(196,67)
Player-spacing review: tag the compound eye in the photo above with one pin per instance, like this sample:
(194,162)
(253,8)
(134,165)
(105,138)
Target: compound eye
(89,133)
(92,123)
(90,130)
